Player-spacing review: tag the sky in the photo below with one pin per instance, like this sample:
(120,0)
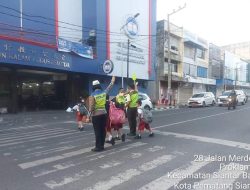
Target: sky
(221,22)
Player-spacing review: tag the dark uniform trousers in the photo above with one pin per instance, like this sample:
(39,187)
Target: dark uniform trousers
(99,122)
(132,114)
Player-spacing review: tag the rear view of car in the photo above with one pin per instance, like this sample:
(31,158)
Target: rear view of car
(202,99)
(146,101)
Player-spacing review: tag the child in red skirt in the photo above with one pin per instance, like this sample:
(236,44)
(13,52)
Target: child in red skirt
(142,124)
(80,118)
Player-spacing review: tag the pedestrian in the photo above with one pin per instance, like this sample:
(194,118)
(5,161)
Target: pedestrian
(81,113)
(142,123)
(132,98)
(109,136)
(97,101)
(119,102)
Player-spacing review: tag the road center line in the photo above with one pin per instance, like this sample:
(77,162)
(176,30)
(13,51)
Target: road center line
(234,144)
(199,118)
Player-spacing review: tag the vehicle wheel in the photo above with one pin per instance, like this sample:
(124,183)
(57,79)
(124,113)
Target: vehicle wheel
(244,101)
(213,103)
(220,105)
(234,107)
(204,104)
(228,107)
(147,107)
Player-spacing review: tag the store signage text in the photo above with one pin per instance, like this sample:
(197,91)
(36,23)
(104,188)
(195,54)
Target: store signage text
(25,55)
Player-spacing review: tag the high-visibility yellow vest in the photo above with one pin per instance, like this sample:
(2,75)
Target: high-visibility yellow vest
(133,99)
(100,99)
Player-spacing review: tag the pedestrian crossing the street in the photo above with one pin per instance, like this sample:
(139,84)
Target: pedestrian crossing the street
(60,158)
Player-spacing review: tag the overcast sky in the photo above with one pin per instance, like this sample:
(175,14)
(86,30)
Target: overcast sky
(221,22)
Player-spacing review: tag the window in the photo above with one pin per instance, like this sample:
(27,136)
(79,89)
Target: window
(189,52)
(193,70)
(202,72)
(174,67)
(186,69)
(200,53)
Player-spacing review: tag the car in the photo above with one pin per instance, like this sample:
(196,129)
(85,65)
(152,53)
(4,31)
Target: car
(241,96)
(202,99)
(223,99)
(146,101)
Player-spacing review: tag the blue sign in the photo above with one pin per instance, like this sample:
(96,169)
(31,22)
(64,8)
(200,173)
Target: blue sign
(79,49)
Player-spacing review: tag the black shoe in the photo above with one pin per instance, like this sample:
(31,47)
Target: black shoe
(97,149)
(117,138)
(123,137)
(81,129)
(138,137)
(113,141)
(151,134)
(131,134)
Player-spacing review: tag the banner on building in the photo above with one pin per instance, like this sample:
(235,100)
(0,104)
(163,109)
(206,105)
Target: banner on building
(79,49)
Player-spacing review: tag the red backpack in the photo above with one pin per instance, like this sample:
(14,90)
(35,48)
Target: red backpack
(116,115)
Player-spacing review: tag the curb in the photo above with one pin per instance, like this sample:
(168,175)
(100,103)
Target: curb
(166,108)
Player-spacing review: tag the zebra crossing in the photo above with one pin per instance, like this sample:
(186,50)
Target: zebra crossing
(60,158)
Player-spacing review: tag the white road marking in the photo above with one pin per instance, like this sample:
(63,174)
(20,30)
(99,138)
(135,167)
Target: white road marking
(67,155)
(57,167)
(37,139)
(155,148)
(130,173)
(32,136)
(223,179)
(234,144)
(35,126)
(110,164)
(136,155)
(53,184)
(174,177)
(199,118)
(53,158)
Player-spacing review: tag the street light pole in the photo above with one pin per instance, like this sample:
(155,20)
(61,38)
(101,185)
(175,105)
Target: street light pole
(169,52)
(128,61)
(136,15)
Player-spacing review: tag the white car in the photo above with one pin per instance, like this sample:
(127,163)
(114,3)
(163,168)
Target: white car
(146,101)
(241,96)
(202,99)
(223,99)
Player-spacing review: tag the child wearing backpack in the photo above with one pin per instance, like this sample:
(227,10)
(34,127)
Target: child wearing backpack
(144,120)
(81,113)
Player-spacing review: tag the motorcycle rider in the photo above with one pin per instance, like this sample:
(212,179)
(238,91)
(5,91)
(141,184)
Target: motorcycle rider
(232,99)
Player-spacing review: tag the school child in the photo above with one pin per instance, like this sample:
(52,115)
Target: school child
(81,113)
(109,136)
(119,101)
(143,121)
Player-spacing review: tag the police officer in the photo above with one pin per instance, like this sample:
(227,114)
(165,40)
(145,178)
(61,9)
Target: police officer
(132,98)
(97,101)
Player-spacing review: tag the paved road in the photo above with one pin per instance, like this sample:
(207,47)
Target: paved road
(198,148)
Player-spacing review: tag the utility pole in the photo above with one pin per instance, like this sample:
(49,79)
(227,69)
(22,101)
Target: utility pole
(136,15)
(128,61)
(169,53)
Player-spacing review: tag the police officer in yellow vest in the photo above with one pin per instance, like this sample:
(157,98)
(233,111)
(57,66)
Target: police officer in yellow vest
(132,98)
(97,110)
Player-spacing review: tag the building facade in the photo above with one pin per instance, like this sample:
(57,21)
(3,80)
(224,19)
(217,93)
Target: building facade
(51,51)
(195,67)
(241,49)
(160,85)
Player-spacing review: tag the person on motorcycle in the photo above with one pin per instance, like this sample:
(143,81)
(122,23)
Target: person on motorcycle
(232,99)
